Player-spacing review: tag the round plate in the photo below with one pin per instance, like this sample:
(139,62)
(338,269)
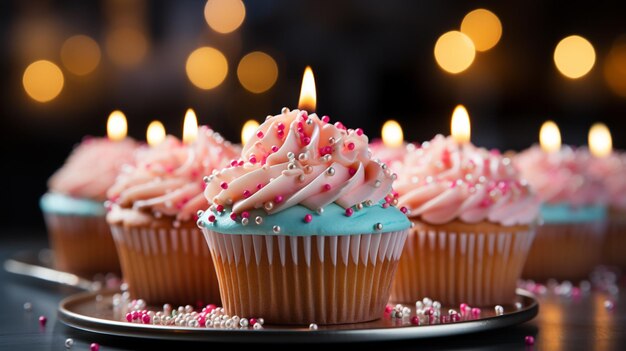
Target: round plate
(93,313)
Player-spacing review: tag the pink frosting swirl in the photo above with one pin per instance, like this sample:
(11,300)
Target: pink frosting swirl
(299,159)
(167,179)
(561,177)
(92,167)
(442,181)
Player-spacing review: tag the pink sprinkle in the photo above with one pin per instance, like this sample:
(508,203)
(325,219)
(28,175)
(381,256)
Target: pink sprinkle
(305,115)
(210,308)
(325,119)
(404,210)
(224,185)
(351,146)
(486,202)
(246,193)
(280,133)
(245,214)
(455,317)
(349,211)
(463,307)
(359,131)
(202,320)
(340,125)
(388,308)
(252,159)
(94,347)
(129,317)
(274,148)
(529,340)
(278,199)
(241,163)
(259,186)
(308,218)
(306,140)
(145,319)
(415,320)
(280,126)
(134,315)
(351,171)
(219,208)
(476,312)
(252,321)
(42,321)
(211,218)
(386,205)
(259,134)
(429,311)
(233,216)
(327,187)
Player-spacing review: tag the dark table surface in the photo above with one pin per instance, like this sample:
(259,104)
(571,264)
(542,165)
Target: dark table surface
(563,323)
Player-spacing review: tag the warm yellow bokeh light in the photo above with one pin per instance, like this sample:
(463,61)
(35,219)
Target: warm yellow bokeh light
(247,132)
(80,54)
(454,52)
(615,67)
(392,134)
(600,141)
(126,46)
(257,72)
(550,137)
(117,127)
(190,127)
(308,92)
(574,56)
(155,133)
(206,67)
(483,27)
(460,127)
(224,16)
(43,80)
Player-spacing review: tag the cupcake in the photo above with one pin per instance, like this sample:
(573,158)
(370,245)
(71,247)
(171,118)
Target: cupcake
(303,229)
(152,215)
(473,220)
(569,243)
(73,206)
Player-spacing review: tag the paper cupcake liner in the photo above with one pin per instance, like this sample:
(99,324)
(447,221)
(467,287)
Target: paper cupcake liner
(614,248)
(167,265)
(306,279)
(565,251)
(82,244)
(479,269)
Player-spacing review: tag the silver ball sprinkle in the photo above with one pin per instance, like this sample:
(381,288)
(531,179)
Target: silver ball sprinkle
(200,213)
(291,166)
(290,155)
(258,326)
(309,121)
(69,342)
(331,140)
(301,178)
(303,157)
(258,220)
(260,320)
(268,206)
(308,169)
(359,206)
(499,310)
(284,110)
(276,229)
(330,171)
(28,306)
(199,223)
(437,305)
(320,210)
(312,326)
(378,226)
(377,184)
(327,157)
(244,221)
(243,322)
(206,179)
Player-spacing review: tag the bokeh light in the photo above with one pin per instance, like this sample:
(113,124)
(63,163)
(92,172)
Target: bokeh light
(454,52)
(574,56)
(483,27)
(615,67)
(155,133)
(117,127)
(126,46)
(550,137)
(392,134)
(248,129)
(257,72)
(224,16)
(43,80)
(206,67)
(600,141)
(80,54)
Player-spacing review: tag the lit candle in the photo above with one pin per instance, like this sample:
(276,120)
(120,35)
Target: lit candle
(550,137)
(155,133)
(248,130)
(308,95)
(117,128)
(392,134)
(460,125)
(600,141)
(190,127)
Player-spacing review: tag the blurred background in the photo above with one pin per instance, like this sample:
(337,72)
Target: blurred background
(66,65)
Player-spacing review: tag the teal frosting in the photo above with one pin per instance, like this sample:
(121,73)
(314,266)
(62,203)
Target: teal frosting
(333,221)
(564,213)
(70,206)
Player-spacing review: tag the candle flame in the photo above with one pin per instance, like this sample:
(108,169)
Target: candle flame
(156,133)
(392,134)
(190,127)
(600,141)
(460,125)
(247,132)
(117,128)
(550,137)
(308,96)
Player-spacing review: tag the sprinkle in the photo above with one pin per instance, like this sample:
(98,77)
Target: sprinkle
(609,305)
(320,211)
(351,146)
(211,218)
(359,131)
(28,306)
(385,205)
(325,119)
(206,179)
(246,193)
(69,342)
(330,171)
(529,340)
(327,187)
(258,220)
(308,218)
(349,211)
(219,208)
(276,229)
(268,206)
(476,312)
(312,326)
(245,221)
(94,347)
(224,185)
(290,155)
(278,199)
(245,214)
(259,134)
(42,321)
(306,140)
(252,159)
(351,171)
(377,184)
(274,148)
(233,216)
(499,310)
(404,210)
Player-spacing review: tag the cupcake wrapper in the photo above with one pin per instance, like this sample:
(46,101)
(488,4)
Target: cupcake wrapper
(476,268)
(82,244)
(565,251)
(170,265)
(614,248)
(306,279)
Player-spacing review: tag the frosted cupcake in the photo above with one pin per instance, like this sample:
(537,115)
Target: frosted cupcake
(73,206)
(153,215)
(303,229)
(473,223)
(568,244)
